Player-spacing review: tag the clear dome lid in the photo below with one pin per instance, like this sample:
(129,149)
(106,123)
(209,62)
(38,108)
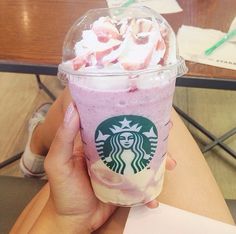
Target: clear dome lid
(110,41)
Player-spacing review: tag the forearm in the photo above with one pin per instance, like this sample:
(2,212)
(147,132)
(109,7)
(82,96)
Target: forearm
(49,221)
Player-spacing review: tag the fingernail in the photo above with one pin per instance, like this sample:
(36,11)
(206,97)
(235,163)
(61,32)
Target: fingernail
(175,163)
(153,204)
(69,113)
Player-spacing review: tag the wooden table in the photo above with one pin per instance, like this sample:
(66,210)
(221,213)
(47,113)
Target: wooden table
(217,15)
(32,34)
(33,31)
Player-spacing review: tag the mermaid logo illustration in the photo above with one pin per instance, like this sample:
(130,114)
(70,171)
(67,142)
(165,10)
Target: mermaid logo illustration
(127,143)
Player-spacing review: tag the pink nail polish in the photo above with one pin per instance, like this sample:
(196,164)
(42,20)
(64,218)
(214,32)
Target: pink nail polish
(69,113)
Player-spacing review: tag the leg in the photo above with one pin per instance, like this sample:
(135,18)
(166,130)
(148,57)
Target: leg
(31,212)
(191,186)
(45,132)
(41,135)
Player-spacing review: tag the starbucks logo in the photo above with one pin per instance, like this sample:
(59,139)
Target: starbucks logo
(127,143)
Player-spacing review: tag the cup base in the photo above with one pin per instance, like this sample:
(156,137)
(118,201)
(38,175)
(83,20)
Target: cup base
(138,203)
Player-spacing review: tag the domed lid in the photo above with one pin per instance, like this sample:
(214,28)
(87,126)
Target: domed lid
(120,40)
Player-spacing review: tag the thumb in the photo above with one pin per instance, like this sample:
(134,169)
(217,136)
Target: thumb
(61,149)
(170,162)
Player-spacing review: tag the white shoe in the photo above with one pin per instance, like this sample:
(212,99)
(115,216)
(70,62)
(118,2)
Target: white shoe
(31,164)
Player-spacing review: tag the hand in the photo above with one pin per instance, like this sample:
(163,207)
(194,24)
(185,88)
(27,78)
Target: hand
(71,193)
(70,188)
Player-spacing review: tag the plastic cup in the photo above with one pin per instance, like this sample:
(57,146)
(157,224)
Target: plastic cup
(125,116)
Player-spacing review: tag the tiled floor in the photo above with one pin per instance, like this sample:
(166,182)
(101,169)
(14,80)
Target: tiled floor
(216,110)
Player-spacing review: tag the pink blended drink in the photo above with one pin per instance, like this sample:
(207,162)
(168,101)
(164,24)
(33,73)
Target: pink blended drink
(121,65)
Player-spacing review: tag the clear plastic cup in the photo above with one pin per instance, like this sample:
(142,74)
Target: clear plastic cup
(125,114)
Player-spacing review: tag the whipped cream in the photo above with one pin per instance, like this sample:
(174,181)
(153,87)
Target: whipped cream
(127,44)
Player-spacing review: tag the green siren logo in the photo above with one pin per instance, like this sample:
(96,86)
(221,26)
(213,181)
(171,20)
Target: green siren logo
(127,143)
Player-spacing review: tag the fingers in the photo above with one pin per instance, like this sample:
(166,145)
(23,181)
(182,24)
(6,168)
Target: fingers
(152,204)
(61,149)
(170,162)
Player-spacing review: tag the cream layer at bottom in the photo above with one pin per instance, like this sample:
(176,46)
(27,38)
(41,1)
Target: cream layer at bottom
(126,190)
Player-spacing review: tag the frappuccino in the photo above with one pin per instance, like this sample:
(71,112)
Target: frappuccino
(121,65)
